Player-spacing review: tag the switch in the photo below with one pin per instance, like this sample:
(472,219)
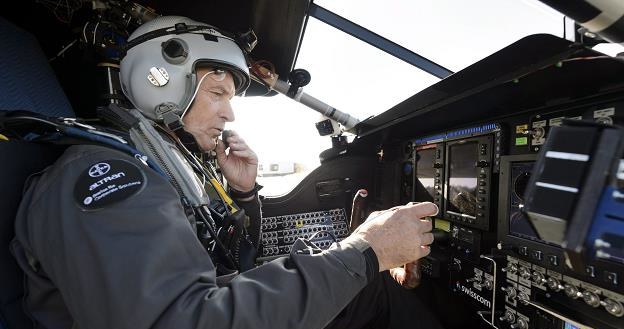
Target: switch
(589,270)
(483,164)
(524,251)
(553,260)
(610,277)
(571,291)
(510,292)
(613,307)
(508,317)
(536,254)
(591,299)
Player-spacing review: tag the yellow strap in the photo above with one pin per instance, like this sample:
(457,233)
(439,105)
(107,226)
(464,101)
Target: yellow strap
(224,196)
(4,138)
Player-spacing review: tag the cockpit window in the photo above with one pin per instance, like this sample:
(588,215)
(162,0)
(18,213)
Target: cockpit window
(364,81)
(452,33)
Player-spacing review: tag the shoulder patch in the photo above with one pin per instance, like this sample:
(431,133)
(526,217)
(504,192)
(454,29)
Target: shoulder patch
(108,182)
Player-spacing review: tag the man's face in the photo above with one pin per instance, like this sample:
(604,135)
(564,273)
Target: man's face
(211,109)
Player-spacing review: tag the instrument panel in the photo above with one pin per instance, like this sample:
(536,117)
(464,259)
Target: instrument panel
(497,259)
(523,154)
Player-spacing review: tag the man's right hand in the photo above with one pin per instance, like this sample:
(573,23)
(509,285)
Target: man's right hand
(399,235)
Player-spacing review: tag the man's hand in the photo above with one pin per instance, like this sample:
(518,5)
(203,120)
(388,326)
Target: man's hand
(239,165)
(399,235)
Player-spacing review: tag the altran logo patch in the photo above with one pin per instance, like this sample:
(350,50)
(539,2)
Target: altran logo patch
(99,169)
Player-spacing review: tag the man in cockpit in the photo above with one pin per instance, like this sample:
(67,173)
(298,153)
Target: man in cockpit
(109,240)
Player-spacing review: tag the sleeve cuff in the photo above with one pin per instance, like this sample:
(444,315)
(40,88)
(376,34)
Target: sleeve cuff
(370,257)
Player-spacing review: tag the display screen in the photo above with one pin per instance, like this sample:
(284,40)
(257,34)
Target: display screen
(462,189)
(568,325)
(425,174)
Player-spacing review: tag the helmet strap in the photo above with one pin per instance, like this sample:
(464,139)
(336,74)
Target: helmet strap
(174,123)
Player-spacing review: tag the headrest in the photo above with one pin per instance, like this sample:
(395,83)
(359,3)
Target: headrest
(27,82)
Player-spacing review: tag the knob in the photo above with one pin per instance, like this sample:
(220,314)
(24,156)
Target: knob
(525,273)
(523,298)
(483,164)
(613,307)
(571,291)
(511,268)
(440,236)
(553,284)
(591,299)
(521,324)
(508,317)
(488,284)
(538,278)
(510,292)
(455,266)
(474,279)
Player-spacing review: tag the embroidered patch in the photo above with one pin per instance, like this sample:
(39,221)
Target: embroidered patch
(108,182)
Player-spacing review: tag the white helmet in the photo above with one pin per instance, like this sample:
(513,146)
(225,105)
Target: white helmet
(158,72)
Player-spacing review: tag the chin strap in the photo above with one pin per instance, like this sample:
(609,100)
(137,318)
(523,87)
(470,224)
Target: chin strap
(174,123)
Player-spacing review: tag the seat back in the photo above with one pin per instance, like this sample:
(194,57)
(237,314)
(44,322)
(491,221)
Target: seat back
(27,82)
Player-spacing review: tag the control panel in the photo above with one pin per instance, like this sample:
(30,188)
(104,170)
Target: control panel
(502,256)
(321,227)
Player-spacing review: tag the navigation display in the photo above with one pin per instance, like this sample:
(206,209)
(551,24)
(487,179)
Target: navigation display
(462,189)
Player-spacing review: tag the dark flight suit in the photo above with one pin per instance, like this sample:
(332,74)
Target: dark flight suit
(105,243)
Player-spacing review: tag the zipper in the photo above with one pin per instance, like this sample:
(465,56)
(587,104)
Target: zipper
(162,163)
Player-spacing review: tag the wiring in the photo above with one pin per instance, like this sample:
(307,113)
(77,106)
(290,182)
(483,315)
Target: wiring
(560,64)
(196,90)
(60,53)
(63,10)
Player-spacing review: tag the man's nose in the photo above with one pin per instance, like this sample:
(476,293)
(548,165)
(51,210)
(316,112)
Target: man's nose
(226,111)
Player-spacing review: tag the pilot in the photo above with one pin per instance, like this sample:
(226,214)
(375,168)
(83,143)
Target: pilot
(108,239)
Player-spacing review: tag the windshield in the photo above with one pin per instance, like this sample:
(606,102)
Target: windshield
(363,81)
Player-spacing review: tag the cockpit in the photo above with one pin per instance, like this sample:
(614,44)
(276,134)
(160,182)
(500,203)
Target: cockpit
(508,116)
